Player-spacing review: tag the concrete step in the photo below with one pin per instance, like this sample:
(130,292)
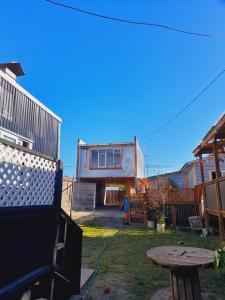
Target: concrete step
(83,208)
(86,274)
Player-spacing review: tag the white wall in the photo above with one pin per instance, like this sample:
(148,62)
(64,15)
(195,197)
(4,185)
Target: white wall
(128,164)
(193,173)
(208,167)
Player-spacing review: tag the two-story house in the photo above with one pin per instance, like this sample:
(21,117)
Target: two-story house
(113,167)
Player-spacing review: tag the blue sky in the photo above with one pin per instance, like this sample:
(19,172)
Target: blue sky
(110,81)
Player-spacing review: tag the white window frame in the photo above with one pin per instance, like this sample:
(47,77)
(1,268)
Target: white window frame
(8,135)
(211,171)
(105,155)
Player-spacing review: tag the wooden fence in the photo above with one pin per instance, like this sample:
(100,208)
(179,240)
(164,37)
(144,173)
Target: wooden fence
(84,196)
(168,196)
(179,203)
(177,214)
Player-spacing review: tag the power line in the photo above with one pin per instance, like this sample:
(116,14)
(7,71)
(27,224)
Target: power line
(133,22)
(185,107)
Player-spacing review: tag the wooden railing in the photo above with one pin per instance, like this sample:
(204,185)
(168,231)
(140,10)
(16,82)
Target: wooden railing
(40,252)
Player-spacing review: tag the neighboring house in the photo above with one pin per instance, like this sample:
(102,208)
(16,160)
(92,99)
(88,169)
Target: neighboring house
(191,171)
(112,166)
(173,178)
(24,120)
(189,175)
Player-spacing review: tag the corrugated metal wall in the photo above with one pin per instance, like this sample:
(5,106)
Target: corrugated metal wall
(21,115)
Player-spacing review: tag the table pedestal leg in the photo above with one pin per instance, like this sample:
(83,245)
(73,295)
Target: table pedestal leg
(185,284)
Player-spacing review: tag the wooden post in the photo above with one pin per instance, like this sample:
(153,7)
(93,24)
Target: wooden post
(174,215)
(58,184)
(78,160)
(218,194)
(204,213)
(172,196)
(215,150)
(135,156)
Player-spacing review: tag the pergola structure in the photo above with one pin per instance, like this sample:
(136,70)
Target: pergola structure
(214,191)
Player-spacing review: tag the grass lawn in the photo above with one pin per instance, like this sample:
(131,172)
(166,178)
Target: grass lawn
(125,268)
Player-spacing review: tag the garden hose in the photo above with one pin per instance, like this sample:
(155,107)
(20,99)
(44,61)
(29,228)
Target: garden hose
(93,277)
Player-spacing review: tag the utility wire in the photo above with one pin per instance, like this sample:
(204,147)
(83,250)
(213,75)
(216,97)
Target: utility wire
(185,107)
(133,22)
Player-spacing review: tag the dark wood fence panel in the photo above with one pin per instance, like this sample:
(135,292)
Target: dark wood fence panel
(182,212)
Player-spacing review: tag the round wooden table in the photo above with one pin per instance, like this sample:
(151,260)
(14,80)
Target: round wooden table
(183,263)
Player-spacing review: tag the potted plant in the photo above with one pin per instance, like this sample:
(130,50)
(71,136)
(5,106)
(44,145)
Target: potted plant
(219,260)
(161,223)
(153,209)
(151,224)
(151,216)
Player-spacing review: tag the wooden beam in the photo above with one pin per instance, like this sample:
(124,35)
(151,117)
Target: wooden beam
(135,156)
(78,159)
(212,212)
(208,148)
(204,213)
(217,131)
(109,145)
(214,130)
(218,194)
(217,164)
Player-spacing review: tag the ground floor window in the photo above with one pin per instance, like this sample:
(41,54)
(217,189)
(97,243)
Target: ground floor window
(212,175)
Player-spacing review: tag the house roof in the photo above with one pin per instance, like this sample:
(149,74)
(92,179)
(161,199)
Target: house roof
(165,174)
(14,67)
(189,164)
(106,145)
(186,165)
(217,132)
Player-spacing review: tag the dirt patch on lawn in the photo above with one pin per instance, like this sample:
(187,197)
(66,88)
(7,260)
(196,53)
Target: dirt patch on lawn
(117,290)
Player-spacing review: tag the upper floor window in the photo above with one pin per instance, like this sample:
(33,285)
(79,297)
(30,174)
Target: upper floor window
(15,139)
(105,158)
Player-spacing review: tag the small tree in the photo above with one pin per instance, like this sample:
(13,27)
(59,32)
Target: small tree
(157,199)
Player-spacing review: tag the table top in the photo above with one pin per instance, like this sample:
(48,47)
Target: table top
(181,257)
